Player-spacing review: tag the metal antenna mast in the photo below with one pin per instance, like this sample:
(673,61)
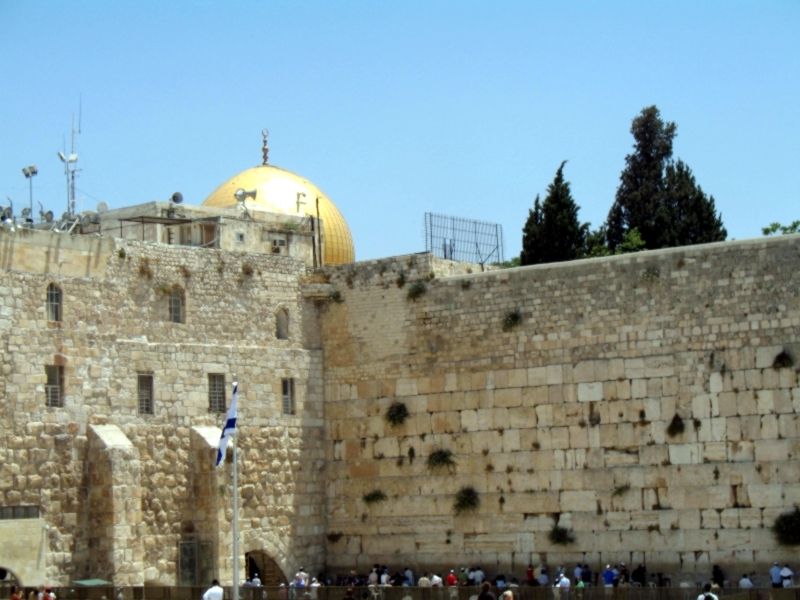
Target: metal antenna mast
(70,171)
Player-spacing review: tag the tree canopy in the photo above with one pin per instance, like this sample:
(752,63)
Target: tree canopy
(552,232)
(658,196)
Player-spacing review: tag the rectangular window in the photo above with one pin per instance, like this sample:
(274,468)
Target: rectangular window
(19,512)
(144,388)
(176,306)
(54,388)
(53,303)
(216,393)
(287,390)
(239,237)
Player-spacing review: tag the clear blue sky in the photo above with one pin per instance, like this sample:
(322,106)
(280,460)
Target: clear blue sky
(398,108)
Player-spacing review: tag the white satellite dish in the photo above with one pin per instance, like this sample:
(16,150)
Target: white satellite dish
(102,207)
(48,216)
(26,212)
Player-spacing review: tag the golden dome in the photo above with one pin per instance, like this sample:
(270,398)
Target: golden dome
(278,191)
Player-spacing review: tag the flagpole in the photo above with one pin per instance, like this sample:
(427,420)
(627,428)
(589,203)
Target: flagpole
(235,593)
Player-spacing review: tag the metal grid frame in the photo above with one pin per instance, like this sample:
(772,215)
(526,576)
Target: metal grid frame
(464,240)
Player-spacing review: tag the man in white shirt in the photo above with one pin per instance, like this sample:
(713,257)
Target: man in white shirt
(409,574)
(373,577)
(745,582)
(256,581)
(214,592)
(303,575)
(424,581)
(479,576)
(786,576)
(436,581)
(313,588)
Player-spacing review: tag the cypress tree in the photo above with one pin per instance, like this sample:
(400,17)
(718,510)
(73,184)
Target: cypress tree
(532,235)
(660,197)
(553,232)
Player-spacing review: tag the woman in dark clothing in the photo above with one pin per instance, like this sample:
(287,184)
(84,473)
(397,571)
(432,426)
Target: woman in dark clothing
(717,576)
(486,593)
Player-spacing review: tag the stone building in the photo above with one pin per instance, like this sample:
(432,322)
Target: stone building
(646,404)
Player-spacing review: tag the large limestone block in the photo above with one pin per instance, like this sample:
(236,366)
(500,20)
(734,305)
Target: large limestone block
(577,501)
(590,392)
(765,495)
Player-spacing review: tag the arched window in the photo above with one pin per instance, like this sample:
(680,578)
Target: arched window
(176,305)
(282,324)
(53,302)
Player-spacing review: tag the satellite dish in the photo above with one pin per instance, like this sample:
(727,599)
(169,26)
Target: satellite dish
(102,207)
(48,216)
(86,220)
(65,216)
(94,218)
(177,198)
(7,212)
(26,212)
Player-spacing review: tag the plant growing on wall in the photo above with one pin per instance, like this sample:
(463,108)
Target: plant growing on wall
(787,528)
(621,490)
(441,459)
(374,496)
(676,426)
(396,414)
(401,280)
(247,270)
(161,288)
(416,290)
(560,536)
(467,500)
(513,319)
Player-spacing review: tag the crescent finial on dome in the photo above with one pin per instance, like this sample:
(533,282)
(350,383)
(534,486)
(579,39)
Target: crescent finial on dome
(264,148)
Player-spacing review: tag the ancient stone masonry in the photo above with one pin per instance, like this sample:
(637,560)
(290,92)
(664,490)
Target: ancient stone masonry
(647,403)
(119,510)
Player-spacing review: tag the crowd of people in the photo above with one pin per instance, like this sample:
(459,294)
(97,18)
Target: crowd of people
(581,576)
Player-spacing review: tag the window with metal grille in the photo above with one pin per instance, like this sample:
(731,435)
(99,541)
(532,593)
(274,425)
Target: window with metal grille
(176,305)
(216,393)
(144,388)
(19,512)
(54,388)
(287,388)
(53,302)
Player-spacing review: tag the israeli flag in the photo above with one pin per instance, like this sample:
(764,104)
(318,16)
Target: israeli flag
(230,427)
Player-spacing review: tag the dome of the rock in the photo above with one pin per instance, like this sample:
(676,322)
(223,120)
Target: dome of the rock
(281,191)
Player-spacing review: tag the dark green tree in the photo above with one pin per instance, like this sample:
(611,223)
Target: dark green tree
(658,197)
(553,232)
(686,215)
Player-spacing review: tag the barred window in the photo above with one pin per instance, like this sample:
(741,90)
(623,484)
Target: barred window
(216,393)
(287,388)
(144,386)
(53,303)
(176,305)
(54,388)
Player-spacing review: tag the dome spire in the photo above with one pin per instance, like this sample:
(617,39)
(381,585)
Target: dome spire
(265,148)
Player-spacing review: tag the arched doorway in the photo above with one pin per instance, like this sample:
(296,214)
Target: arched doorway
(268,571)
(7,579)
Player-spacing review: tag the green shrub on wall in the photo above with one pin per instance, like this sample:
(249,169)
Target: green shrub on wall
(396,414)
(440,459)
(787,528)
(467,500)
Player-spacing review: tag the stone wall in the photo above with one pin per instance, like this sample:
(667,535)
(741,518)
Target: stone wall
(554,387)
(115,324)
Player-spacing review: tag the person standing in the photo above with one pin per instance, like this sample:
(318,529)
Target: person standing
(787,576)
(462,577)
(775,576)
(15,593)
(256,581)
(313,588)
(578,572)
(424,581)
(451,578)
(707,595)
(479,576)
(436,580)
(303,575)
(409,577)
(373,577)
(529,574)
(486,593)
(586,575)
(214,592)
(745,582)
(608,577)
(544,580)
